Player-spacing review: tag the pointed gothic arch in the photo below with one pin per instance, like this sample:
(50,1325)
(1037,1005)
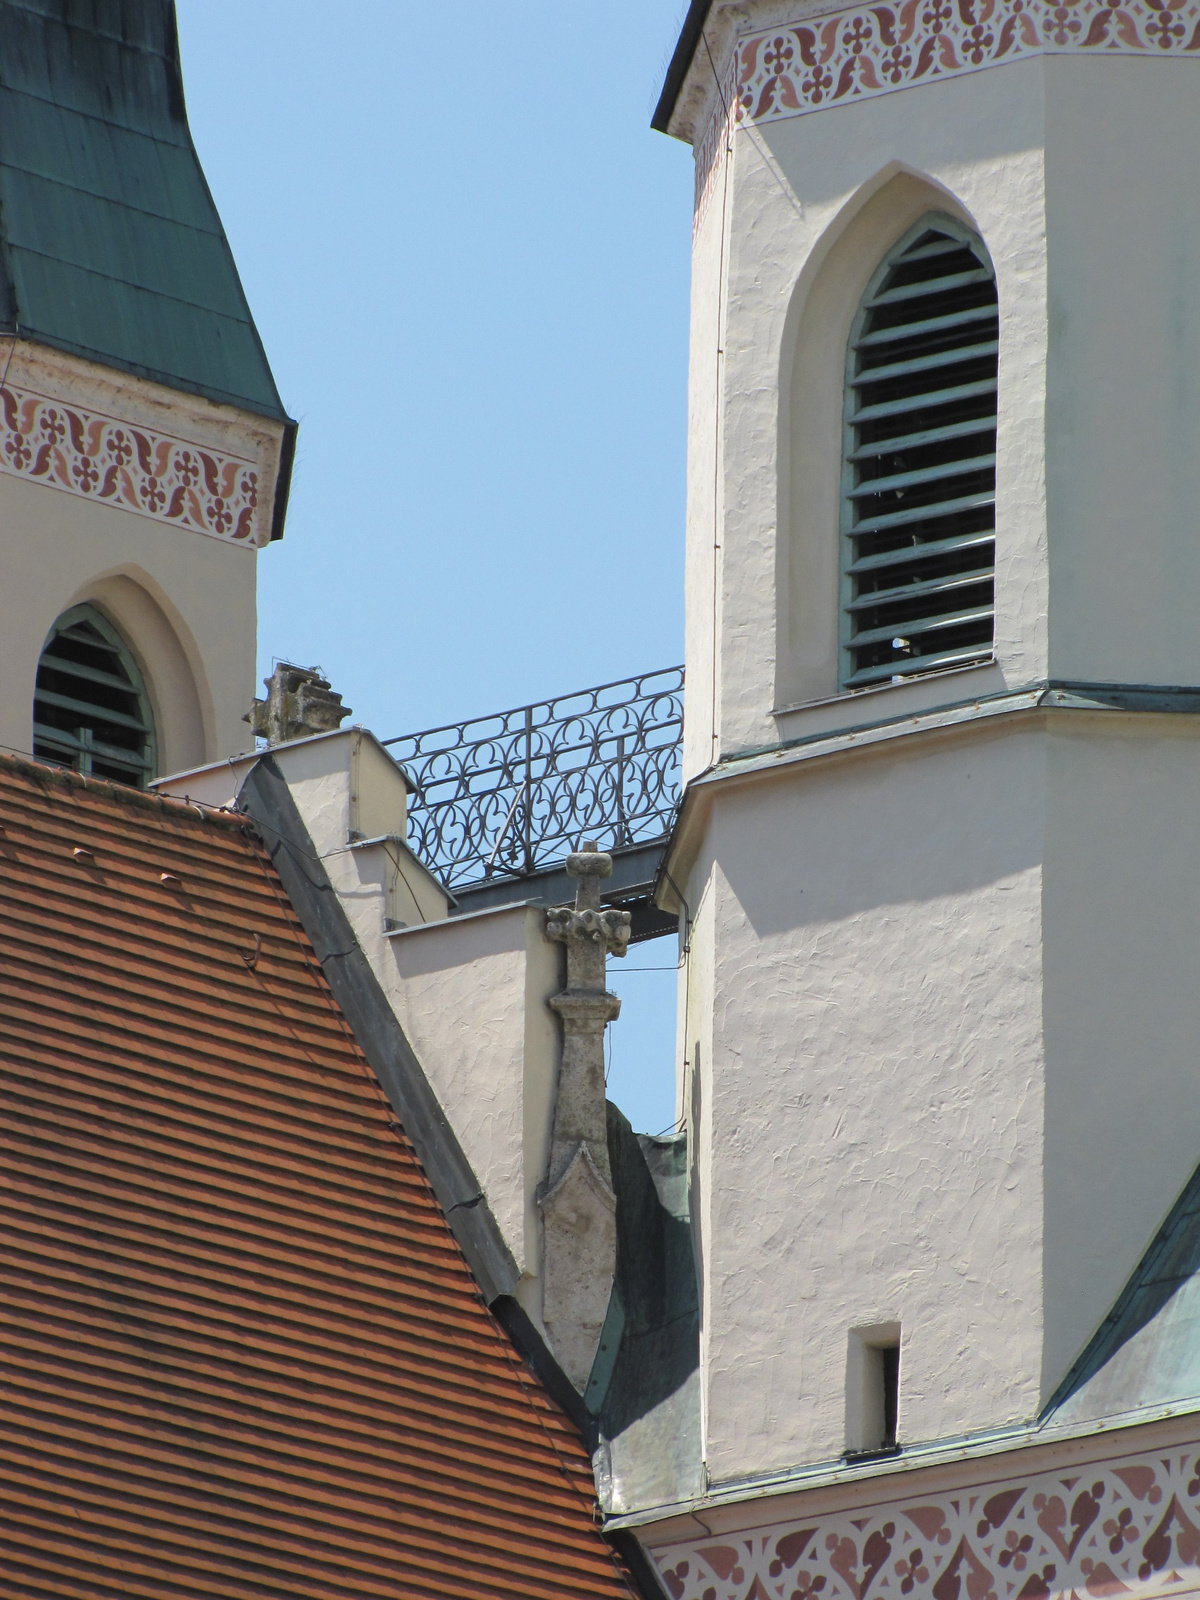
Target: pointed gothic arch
(918,523)
(826,305)
(91,708)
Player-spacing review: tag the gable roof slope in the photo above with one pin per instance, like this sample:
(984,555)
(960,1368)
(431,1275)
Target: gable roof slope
(242,1353)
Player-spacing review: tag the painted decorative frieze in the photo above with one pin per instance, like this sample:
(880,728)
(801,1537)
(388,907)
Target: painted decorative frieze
(102,458)
(1128,1527)
(837,55)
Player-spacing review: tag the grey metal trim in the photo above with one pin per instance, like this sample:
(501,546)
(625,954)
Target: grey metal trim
(267,801)
(911,1458)
(1043,695)
(283,478)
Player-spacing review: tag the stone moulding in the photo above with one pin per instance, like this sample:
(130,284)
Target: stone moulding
(96,455)
(1128,1526)
(839,54)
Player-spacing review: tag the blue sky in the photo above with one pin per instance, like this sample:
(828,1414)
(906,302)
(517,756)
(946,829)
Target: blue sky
(468,258)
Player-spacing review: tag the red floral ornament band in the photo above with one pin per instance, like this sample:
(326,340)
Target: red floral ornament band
(101,458)
(833,57)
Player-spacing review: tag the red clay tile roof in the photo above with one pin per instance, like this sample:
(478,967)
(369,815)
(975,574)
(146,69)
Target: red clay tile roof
(240,1352)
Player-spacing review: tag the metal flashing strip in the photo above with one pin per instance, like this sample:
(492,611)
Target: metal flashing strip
(911,1458)
(1049,695)
(267,801)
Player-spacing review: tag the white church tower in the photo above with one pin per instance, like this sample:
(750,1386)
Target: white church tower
(939,857)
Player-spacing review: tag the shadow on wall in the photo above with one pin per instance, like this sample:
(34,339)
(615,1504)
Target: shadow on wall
(899,830)
(656,1274)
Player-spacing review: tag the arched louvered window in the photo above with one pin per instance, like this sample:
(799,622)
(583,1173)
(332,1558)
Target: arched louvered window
(90,708)
(919,486)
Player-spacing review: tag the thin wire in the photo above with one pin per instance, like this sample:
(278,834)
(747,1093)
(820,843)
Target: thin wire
(717,395)
(716,80)
(395,860)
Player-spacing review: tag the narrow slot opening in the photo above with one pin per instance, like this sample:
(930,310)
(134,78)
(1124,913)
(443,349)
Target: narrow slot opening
(873,1392)
(889,1361)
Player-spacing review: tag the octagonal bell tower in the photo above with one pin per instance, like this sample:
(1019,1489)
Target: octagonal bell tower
(939,859)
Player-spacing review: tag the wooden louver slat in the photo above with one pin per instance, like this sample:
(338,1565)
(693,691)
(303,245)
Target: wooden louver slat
(919,484)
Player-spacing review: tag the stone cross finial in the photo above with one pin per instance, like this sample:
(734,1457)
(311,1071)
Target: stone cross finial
(588,931)
(299,704)
(579,1232)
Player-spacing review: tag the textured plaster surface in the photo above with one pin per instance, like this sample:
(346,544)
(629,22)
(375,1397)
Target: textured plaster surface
(702,558)
(814,202)
(933,993)
(876,1097)
(1121,931)
(1123,403)
(951,991)
(1102,511)
(464,992)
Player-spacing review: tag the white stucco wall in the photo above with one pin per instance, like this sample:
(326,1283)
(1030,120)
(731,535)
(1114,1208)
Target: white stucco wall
(184,603)
(876,1095)
(944,989)
(1123,403)
(471,995)
(813,204)
(702,556)
(950,987)
(1098,471)
(1121,1006)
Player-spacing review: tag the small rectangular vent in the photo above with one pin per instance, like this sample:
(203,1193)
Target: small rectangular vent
(873,1391)
(919,489)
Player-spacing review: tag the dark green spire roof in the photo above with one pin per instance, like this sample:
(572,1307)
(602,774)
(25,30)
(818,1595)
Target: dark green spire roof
(112,248)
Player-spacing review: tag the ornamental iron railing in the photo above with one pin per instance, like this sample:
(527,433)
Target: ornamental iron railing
(510,794)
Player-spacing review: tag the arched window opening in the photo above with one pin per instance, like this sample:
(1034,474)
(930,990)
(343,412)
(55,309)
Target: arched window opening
(90,708)
(919,482)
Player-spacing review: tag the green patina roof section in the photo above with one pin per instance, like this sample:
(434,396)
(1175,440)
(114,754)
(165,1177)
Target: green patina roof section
(1146,1352)
(112,246)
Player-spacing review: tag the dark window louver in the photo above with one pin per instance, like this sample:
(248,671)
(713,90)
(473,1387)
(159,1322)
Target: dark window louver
(919,489)
(90,710)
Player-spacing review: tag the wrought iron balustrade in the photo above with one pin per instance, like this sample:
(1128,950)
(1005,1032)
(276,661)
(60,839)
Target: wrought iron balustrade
(507,795)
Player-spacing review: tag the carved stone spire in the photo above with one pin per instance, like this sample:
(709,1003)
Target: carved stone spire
(579,1230)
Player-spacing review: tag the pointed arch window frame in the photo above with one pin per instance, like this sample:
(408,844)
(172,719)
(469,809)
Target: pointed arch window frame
(78,753)
(850,677)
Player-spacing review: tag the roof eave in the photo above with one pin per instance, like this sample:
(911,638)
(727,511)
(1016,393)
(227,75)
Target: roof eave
(680,65)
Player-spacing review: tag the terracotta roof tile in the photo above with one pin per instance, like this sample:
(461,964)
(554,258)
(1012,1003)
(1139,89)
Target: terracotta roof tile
(240,1352)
